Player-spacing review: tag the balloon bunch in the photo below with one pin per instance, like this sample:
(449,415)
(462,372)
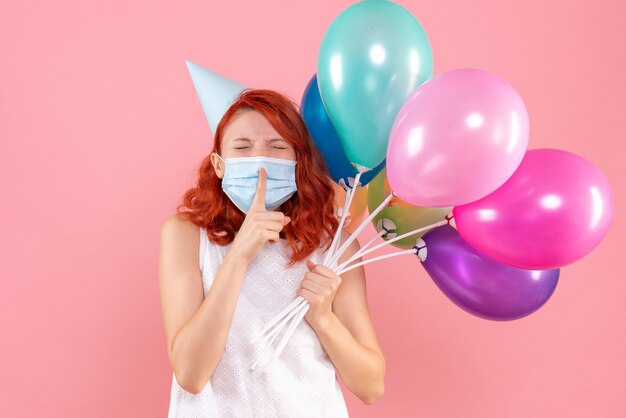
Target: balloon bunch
(437,151)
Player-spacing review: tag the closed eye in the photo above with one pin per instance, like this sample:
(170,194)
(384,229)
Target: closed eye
(249,147)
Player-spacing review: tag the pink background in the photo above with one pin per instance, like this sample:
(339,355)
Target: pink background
(101,132)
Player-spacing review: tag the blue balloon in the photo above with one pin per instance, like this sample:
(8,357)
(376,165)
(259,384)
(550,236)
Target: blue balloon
(325,137)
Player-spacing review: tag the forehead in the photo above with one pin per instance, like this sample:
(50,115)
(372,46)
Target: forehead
(249,123)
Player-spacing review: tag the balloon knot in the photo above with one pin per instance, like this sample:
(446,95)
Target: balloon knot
(421,251)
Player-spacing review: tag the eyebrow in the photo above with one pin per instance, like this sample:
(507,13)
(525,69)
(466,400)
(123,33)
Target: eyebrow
(269,140)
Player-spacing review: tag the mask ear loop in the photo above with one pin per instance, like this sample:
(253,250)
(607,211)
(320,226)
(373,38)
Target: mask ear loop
(220,157)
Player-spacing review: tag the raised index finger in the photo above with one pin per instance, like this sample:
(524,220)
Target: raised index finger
(258,203)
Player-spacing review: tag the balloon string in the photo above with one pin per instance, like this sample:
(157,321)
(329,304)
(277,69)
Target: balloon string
(364,251)
(280,315)
(299,302)
(275,335)
(264,336)
(301,308)
(374,238)
(294,305)
(346,204)
(361,227)
(292,327)
(382,257)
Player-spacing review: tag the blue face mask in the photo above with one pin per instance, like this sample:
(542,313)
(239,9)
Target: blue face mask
(242,173)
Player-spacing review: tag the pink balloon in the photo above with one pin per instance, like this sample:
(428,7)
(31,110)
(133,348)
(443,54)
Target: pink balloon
(457,138)
(553,210)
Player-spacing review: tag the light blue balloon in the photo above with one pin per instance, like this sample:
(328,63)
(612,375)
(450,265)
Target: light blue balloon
(372,57)
(216,92)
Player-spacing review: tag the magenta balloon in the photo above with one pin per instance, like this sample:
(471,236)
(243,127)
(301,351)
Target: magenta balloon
(457,138)
(553,210)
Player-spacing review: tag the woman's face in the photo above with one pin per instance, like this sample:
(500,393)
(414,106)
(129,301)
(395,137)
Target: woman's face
(249,134)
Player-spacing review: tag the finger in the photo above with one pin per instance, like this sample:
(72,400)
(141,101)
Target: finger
(271,215)
(319,279)
(271,236)
(276,226)
(321,269)
(258,203)
(313,287)
(310,297)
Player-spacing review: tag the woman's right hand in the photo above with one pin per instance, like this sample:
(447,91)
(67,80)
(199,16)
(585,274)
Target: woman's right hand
(259,225)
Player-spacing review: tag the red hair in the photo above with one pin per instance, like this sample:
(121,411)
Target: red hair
(312,208)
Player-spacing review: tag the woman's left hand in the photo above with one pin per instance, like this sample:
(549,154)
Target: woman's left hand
(318,287)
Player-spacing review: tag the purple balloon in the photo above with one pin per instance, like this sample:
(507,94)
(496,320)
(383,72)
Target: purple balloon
(553,211)
(482,286)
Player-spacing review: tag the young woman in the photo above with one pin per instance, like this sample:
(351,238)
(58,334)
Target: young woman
(246,241)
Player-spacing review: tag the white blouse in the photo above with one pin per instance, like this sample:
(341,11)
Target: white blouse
(300,383)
